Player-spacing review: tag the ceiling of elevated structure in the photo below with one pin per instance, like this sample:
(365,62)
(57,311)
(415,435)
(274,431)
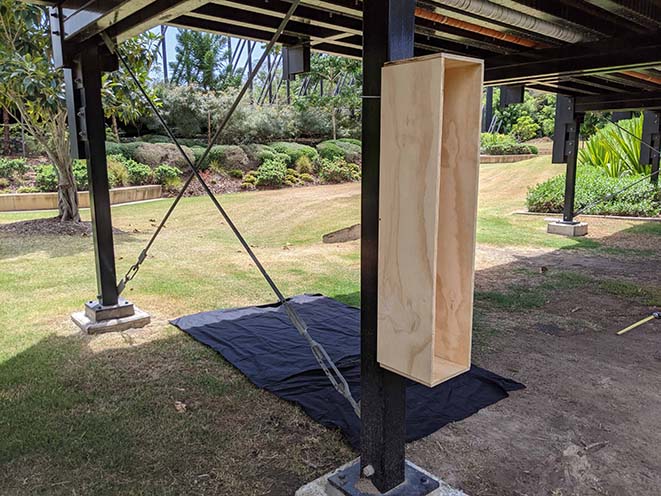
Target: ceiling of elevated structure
(579,47)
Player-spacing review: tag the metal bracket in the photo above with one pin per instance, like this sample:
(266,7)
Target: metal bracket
(565,136)
(97,312)
(416,483)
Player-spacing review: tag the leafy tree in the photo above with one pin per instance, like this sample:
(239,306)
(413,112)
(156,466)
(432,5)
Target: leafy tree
(33,91)
(331,71)
(28,81)
(121,98)
(201,59)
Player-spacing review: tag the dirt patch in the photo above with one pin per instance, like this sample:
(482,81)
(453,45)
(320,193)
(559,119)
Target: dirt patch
(588,421)
(49,227)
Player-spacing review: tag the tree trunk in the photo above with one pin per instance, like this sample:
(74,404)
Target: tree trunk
(334,124)
(115,128)
(67,194)
(6,140)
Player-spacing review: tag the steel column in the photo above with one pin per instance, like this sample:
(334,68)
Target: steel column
(565,148)
(650,147)
(487,115)
(88,77)
(389,27)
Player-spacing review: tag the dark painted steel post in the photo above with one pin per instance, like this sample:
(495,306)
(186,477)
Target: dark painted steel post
(488,110)
(565,148)
(650,146)
(388,33)
(88,75)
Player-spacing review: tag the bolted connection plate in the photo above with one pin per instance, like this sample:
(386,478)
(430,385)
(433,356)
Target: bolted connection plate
(416,483)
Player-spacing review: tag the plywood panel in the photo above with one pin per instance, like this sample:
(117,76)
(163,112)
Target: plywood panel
(428,203)
(411,101)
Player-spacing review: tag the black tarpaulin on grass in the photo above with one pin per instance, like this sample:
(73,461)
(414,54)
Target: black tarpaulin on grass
(261,342)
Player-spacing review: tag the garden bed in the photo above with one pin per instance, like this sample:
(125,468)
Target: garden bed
(18,202)
(505,159)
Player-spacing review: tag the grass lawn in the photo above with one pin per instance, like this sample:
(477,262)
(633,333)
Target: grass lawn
(96,415)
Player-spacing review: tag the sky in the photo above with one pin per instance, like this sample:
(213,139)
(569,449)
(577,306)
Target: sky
(171,45)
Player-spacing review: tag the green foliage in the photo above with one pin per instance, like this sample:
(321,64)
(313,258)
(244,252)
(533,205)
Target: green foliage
(250,177)
(271,173)
(229,157)
(113,148)
(307,178)
(236,173)
(155,154)
(502,144)
(198,151)
(138,174)
(249,186)
(129,150)
(304,165)
(118,175)
(525,128)
(329,150)
(46,178)
(295,151)
(538,107)
(201,60)
(338,171)
(593,185)
(10,168)
(166,174)
(28,189)
(615,149)
(80,175)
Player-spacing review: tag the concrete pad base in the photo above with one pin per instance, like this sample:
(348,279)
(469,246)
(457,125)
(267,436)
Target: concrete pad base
(90,326)
(567,228)
(322,486)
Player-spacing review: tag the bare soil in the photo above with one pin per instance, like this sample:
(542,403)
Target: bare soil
(588,422)
(49,227)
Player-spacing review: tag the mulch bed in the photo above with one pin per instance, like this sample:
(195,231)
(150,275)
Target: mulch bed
(49,227)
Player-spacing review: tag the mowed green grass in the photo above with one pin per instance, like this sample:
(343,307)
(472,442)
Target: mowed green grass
(104,415)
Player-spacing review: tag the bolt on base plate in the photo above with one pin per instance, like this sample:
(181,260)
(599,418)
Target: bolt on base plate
(416,483)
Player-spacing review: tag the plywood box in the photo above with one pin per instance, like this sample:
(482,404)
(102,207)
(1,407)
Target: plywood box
(430,133)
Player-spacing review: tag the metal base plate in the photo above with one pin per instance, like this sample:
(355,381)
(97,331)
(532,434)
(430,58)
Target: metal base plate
(136,320)
(96,312)
(416,483)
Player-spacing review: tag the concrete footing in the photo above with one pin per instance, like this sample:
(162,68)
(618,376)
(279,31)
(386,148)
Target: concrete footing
(572,229)
(322,486)
(98,319)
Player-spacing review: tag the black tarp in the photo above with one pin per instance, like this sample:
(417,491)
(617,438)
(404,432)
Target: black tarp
(261,342)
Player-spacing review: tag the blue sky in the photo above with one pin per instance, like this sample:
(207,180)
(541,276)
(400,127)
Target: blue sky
(171,44)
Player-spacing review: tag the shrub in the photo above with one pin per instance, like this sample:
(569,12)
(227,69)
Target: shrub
(138,173)
(129,150)
(533,149)
(338,170)
(307,178)
(155,154)
(118,175)
(12,167)
(329,150)
(229,157)
(247,185)
(294,151)
(198,151)
(166,174)
(353,141)
(616,150)
(525,128)
(501,144)
(271,173)
(46,178)
(4,183)
(236,173)
(253,152)
(304,165)
(155,138)
(79,168)
(113,148)
(28,189)
(592,185)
